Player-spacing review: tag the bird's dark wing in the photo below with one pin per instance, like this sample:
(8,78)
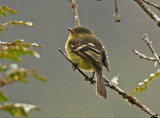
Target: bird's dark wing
(88,51)
(105,59)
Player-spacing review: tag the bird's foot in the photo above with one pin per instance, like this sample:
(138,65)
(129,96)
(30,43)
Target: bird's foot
(91,78)
(74,66)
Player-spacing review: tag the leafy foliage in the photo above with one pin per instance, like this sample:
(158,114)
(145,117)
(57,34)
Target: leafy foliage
(4,25)
(15,52)
(3,98)
(37,76)
(19,109)
(4,9)
(143,85)
(16,23)
(14,73)
(3,12)
(20,43)
(11,73)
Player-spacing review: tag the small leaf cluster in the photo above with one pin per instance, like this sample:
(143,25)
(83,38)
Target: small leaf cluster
(3,12)
(19,109)
(4,9)
(143,85)
(15,50)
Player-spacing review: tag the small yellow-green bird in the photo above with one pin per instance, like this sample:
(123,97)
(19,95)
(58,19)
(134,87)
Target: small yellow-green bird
(87,51)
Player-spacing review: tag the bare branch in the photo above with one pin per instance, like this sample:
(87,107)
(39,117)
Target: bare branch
(152,4)
(125,95)
(117,16)
(4,82)
(74,6)
(143,56)
(149,43)
(149,11)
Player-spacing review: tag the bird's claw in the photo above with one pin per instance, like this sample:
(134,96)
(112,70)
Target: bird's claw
(155,116)
(91,80)
(74,66)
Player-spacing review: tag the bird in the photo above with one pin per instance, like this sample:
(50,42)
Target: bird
(85,50)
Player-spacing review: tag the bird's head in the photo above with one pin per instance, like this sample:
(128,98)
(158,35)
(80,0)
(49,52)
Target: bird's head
(79,31)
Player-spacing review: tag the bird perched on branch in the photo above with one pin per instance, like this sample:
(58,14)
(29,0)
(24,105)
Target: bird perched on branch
(88,53)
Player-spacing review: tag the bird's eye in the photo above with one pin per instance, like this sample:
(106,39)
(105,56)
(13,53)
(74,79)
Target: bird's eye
(81,32)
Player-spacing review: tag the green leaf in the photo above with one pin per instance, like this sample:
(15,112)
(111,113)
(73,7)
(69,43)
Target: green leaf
(18,74)
(141,89)
(12,11)
(3,98)
(37,76)
(20,50)
(4,9)
(3,13)
(23,80)
(144,85)
(5,55)
(15,111)
(15,52)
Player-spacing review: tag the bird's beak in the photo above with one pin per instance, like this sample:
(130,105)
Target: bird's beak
(71,30)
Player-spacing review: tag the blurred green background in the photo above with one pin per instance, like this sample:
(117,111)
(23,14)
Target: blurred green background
(66,94)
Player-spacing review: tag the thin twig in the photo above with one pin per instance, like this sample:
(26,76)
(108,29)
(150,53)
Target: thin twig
(152,4)
(4,82)
(117,16)
(74,6)
(149,43)
(143,56)
(149,11)
(1,107)
(125,95)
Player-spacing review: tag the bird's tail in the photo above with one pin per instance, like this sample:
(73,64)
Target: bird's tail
(100,89)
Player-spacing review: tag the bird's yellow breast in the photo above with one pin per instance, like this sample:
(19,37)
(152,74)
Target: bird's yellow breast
(83,63)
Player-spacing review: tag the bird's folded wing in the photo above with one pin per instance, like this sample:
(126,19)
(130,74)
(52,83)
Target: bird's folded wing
(105,60)
(88,52)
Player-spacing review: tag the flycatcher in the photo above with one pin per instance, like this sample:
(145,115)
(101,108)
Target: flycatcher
(87,51)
